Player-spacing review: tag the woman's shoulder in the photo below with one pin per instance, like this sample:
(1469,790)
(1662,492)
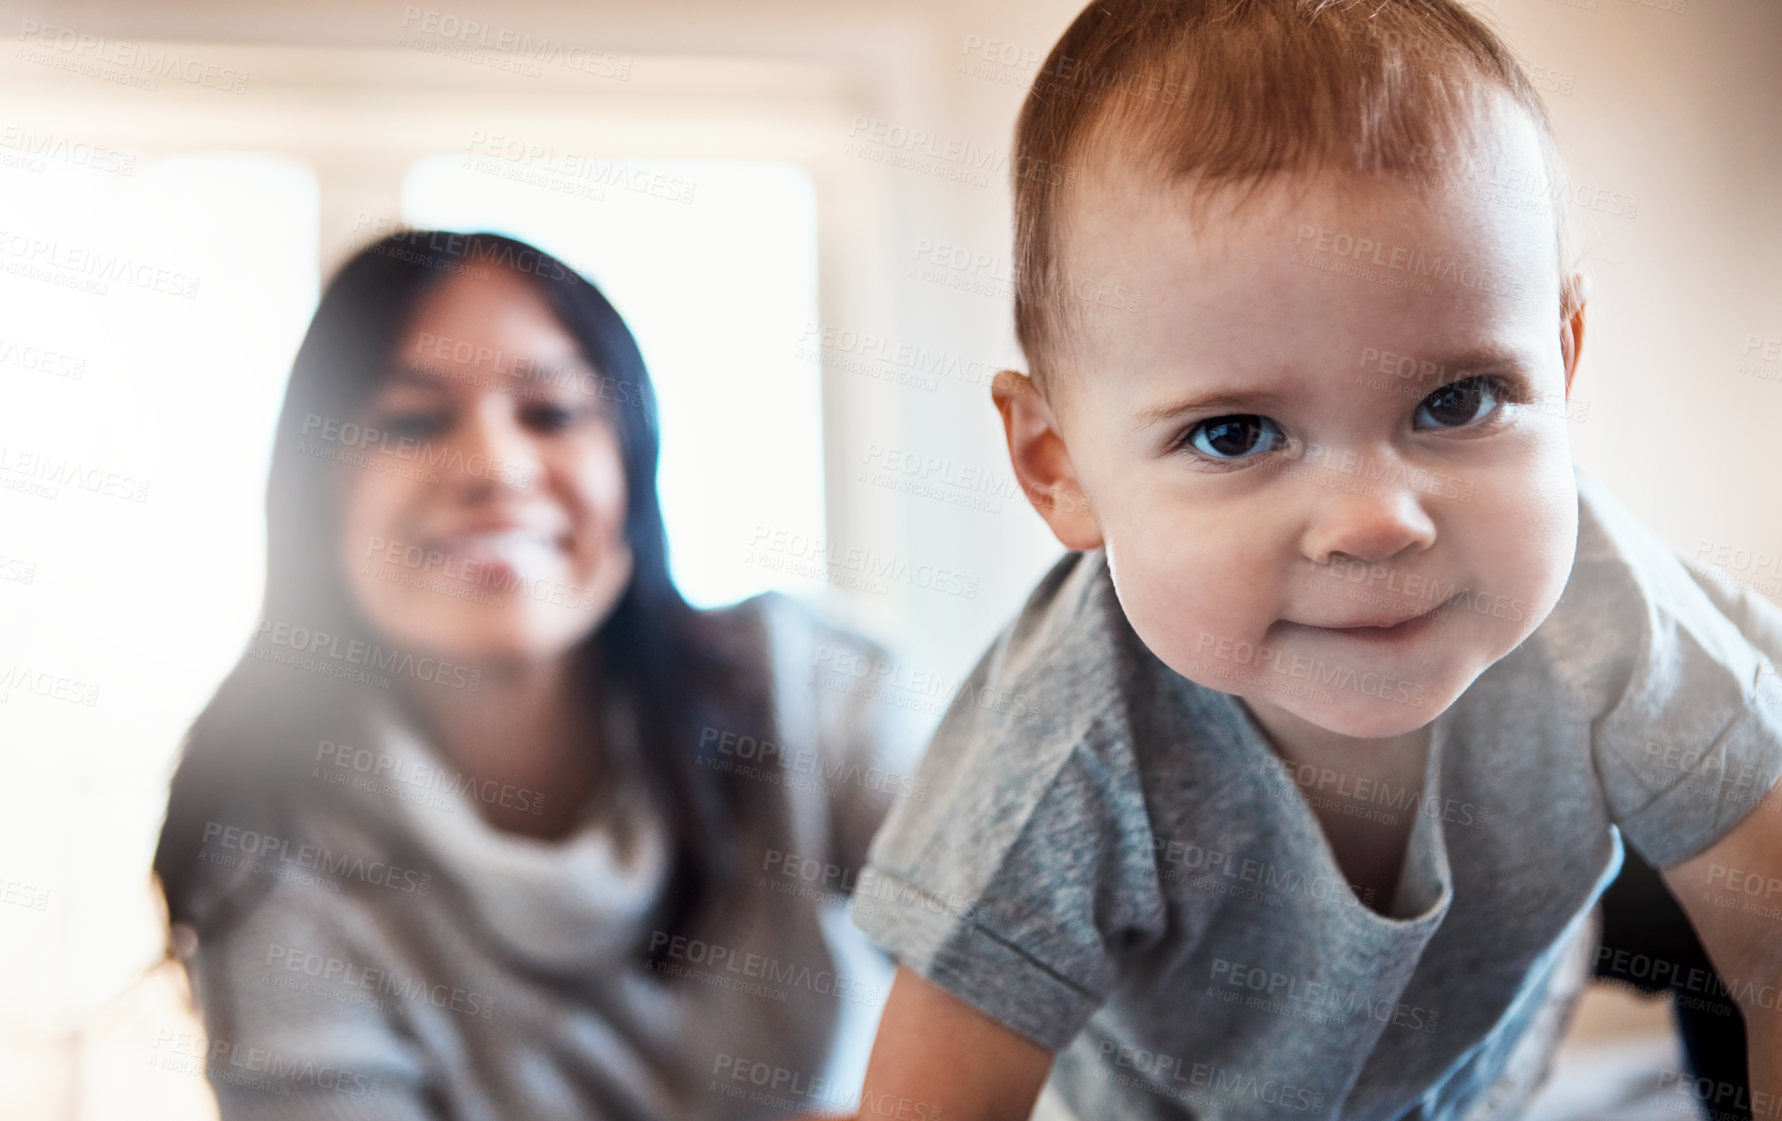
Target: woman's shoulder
(839,697)
(331,848)
(770,622)
(830,680)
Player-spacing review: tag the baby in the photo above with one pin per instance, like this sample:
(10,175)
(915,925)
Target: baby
(1350,686)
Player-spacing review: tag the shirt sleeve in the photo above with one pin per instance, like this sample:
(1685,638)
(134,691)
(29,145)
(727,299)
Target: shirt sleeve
(1026,871)
(1694,740)
(275,1052)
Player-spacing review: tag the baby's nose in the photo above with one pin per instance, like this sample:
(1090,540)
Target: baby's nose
(1368,527)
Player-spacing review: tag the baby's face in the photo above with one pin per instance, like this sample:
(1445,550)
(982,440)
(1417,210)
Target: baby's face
(1327,452)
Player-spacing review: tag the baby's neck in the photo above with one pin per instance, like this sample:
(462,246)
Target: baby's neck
(1338,774)
(1301,742)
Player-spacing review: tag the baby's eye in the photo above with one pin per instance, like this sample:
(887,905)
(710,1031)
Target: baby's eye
(1235,437)
(1460,403)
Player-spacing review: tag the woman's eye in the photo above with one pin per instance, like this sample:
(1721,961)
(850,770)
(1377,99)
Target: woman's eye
(1235,437)
(549,418)
(414,423)
(1460,403)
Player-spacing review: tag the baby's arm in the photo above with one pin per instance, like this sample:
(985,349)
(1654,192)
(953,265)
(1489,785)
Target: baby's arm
(937,1057)
(936,1050)
(1745,945)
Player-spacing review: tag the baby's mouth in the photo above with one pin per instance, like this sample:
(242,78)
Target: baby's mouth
(1377,627)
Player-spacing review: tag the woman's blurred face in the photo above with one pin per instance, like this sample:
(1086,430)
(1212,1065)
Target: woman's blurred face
(487,520)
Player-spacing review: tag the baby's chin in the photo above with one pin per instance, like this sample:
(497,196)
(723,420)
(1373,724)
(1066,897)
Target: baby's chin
(1372,709)
(1361,718)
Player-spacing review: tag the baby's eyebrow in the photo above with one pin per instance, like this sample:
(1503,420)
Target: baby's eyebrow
(1236,401)
(1442,368)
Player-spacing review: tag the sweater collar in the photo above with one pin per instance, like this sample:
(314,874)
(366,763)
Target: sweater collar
(559,905)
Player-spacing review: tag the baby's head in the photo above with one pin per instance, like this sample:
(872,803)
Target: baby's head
(1300,323)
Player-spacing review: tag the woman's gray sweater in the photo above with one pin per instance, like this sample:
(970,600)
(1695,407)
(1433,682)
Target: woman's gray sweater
(407,960)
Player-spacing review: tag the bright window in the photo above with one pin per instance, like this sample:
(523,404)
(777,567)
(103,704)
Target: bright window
(151,314)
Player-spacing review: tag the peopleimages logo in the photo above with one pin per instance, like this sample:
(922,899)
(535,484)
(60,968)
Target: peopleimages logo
(859,674)
(803,554)
(1351,794)
(414,780)
(706,962)
(21,679)
(586,176)
(1201,1082)
(1273,659)
(449,34)
(42,474)
(368,440)
(40,146)
(92,270)
(118,60)
(325,975)
(759,758)
(1209,869)
(1235,982)
(19,894)
(263,1069)
(233,846)
(948,157)
(1412,266)
(460,577)
(337,657)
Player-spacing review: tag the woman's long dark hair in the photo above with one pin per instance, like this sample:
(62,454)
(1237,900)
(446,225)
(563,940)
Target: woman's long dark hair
(680,674)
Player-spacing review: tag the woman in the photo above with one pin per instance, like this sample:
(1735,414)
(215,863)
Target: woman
(488,822)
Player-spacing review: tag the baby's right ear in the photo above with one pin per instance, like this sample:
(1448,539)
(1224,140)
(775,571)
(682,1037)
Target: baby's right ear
(1042,463)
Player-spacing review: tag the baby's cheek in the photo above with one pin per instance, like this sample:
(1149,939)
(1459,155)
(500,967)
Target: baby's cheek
(1184,607)
(1528,540)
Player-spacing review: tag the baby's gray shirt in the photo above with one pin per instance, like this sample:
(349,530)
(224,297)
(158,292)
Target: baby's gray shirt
(1113,863)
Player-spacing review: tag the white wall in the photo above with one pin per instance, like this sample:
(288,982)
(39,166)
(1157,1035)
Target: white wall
(1674,108)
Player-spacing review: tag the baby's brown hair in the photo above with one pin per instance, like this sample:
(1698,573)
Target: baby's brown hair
(1217,93)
